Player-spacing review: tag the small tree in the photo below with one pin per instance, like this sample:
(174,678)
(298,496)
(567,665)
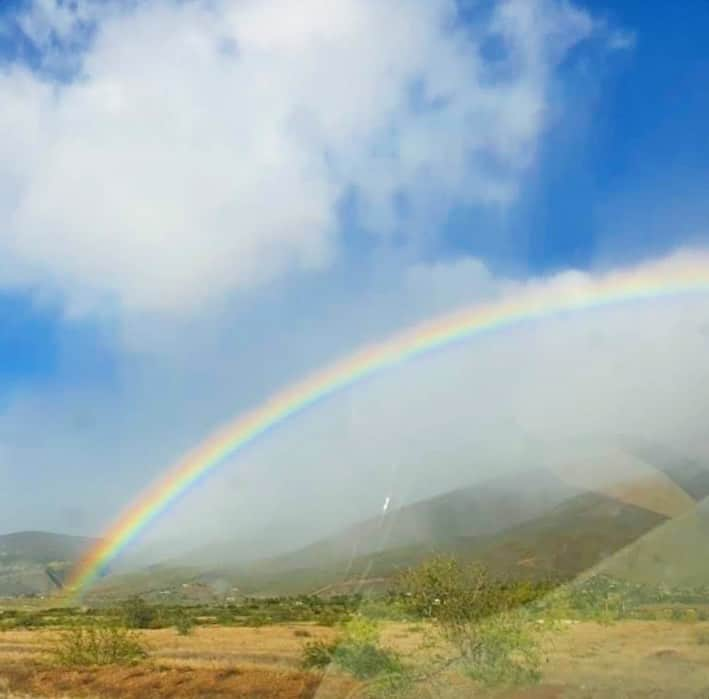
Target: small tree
(454,596)
(492,640)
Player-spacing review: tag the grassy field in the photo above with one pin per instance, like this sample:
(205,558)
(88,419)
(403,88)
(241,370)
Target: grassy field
(585,659)
(446,630)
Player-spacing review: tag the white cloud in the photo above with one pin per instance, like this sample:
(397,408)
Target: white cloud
(204,147)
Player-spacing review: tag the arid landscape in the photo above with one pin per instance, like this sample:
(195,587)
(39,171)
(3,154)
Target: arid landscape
(628,659)
(564,589)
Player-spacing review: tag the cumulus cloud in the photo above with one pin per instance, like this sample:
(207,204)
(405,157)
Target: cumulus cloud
(165,154)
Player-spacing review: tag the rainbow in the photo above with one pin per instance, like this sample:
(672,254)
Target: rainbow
(678,275)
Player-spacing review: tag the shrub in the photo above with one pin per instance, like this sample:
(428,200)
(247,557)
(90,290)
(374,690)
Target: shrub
(357,651)
(184,623)
(317,654)
(454,596)
(360,630)
(365,660)
(98,645)
(138,614)
(504,652)
(493,643)
(400,685)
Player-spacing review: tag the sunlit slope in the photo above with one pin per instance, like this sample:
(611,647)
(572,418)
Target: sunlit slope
(690,474)
(37,562)
(645,479)
(674,553)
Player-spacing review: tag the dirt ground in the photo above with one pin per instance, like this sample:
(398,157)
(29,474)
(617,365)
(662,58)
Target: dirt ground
(626,660)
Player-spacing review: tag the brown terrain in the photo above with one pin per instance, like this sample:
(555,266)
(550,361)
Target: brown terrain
(629,659)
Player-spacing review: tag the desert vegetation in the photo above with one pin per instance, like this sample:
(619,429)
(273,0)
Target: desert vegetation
(97,644)
(445,627)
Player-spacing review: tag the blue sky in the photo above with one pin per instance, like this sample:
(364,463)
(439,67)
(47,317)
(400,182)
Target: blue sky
(636,131)
(151,228)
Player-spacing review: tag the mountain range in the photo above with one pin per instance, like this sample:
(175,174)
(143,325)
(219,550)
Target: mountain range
(634,511)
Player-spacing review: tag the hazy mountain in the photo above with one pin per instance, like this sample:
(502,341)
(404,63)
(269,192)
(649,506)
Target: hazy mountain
(532,524)
(37,562)
(560,543)
(595,508)
(478,510)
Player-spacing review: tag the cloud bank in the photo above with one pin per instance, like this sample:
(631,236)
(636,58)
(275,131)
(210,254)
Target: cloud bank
(161,155)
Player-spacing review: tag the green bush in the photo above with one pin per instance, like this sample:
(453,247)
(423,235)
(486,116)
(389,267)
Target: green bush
(317,655)
(363,660)
(184,623)
(366,660)
(98,645)
(138,614)
(399,685)
(357,651)
(494,643)
(504,652)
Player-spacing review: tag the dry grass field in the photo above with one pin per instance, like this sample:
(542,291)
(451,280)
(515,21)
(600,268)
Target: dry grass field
(626,660)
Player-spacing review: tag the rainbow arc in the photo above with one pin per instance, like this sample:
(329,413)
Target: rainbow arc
(680,275)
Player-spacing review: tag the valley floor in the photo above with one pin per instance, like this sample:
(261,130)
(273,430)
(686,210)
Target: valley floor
(625,660)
